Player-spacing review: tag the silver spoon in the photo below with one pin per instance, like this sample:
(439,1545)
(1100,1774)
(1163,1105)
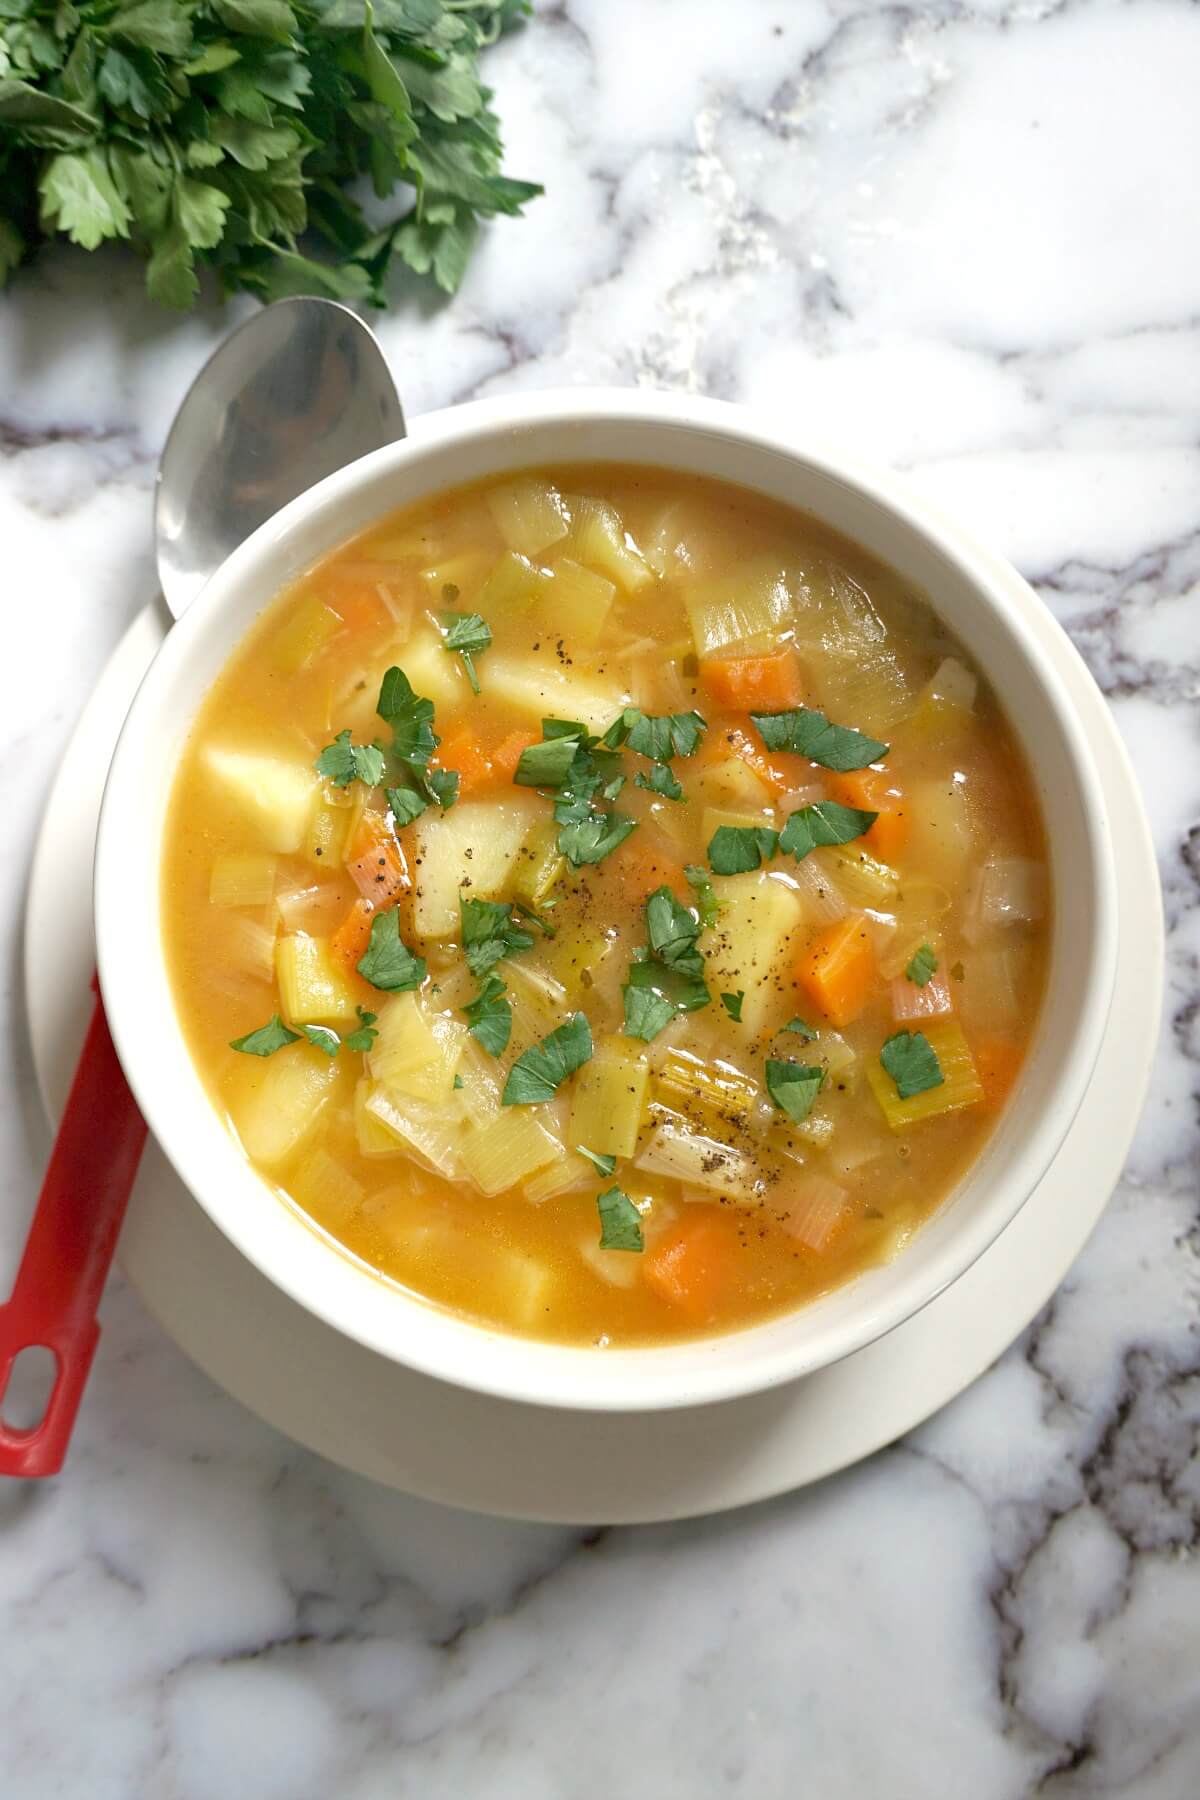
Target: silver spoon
(299,390)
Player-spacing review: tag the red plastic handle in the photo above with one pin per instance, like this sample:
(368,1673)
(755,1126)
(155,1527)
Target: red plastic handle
(70,1248)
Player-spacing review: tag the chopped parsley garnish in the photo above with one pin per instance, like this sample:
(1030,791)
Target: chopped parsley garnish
(590,840)
(546,764)
(527,912)
(540,1072)
(801,1028)
(620,1221)
(406,804)
(707,904)
(410,716)
(343,762)
(323,1038)
(443,786)
(647,1009)
(672,930)
(489,933)
(267,1039)
(825,822)
(659,781)
(809,733)
(736,849)
(489,1016)
(388,963)
(922,965)
(733,1005)
(605,1164)
(794,1087)
(468,634)
(668,978)
(911,1061)
(570,759)
(658,738)
(364,1036)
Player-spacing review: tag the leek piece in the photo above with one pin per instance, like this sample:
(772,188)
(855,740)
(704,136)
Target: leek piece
(325,1187)
(433,1134)
(272,795)
(512,586)
(313,987)
(861,879)
(453,579)
(608,1099)
(242,881)
(675,1149)
(747,947)
(714,1094)
(742,819)
(275,1102)
(477,841)
(600,540)
(417,1051)
(577,604)
(540,866)
(374,1139)
(251,945)
(508,1150)
(301,639)
(820,896)
(960,1085)
(816,1210)
(864,687)
(539,688)
(747,607)
(571,1174)
(529,515)
(335,819)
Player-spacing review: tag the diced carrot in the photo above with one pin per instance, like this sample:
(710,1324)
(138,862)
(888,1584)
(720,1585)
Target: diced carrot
(349,942)
(352,592)
(998,1062)
(693,1265)
(460,749)
(376,862)
(780,769)
(755,683)
(874,790)
(643,863)
(837,972)
(507,753)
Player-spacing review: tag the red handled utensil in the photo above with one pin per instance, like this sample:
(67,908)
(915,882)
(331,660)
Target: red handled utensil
(70,1248)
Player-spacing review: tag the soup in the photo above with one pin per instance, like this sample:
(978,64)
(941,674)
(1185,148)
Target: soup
(607,904)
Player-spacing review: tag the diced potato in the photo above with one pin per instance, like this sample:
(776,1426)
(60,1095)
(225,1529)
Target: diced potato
(577,604)
(276,1101)
(508,1150)
(609,1098)
(242,880)
(433,1134)
(272,795)
(325,1187)
(601,541)
(431,669)
(313,987)
(526,1283)
(477,841)
(529,514)
(733,784)
(617,1268)
(859,877)
(746,607)
(374,1138)
(305,634)
(746,948)
(540,866)
(939,840)
(540,688)
(960,1086)
(417,1051)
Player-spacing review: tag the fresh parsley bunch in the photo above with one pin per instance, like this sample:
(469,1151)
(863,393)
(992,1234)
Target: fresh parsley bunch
(230,132)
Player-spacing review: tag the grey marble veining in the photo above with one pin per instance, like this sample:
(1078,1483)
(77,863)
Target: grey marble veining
(966,235)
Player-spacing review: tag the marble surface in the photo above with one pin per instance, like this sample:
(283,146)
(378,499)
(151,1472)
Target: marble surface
(964,231)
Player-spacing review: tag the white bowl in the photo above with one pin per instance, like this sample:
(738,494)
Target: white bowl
(984,602)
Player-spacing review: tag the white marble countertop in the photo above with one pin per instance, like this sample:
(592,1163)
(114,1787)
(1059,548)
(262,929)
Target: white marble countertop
(967,235)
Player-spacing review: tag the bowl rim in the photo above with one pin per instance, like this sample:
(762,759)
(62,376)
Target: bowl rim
(458,1349)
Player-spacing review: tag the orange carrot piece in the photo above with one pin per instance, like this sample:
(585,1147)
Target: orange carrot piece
(874,790)
(837,972)
(352,592)
(376,863)
(643,864)
(755,683)
(998,1061)
(781,770)
(507,753)
(349,942)
(460,749)
(692,1267)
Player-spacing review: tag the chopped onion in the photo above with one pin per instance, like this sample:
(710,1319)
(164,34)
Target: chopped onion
(816,1207)
(673,1149)
(912,1002)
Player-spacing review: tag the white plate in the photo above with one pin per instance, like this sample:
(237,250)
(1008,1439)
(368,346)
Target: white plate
(529,1462)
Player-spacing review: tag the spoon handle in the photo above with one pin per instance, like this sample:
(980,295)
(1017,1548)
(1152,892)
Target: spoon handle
(70,1248)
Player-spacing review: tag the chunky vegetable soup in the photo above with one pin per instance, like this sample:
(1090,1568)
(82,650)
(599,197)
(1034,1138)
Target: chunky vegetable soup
(607,904)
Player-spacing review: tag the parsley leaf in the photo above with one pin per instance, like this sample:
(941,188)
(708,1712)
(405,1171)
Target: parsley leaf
(825,822)
(267,1039)
(527,912)
(365,1035)
(659,739)
(647,1011)
(489,933)
(794,1086)
(620,1221)
(672,930)
(541,1071)
(922,965)
(668,978)
(801,1029)
(470,635)
(323,1038)
(387,962)
(605,1164)
(343,762)
(574,762)
(659,781)
(546,764)
(406,804)
(810,734)
(735,849)
(911,1061)
(706,894)
(443,786)
(733,1005)
(593,838)
(410,717)
(489,1016)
